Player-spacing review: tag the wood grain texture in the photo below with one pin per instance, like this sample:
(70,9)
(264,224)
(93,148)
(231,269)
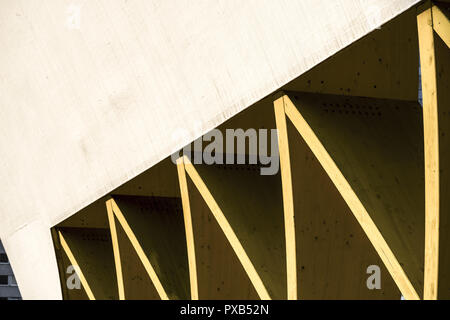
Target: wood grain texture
(372,151)
(288,202)
(190,242)
(431,148)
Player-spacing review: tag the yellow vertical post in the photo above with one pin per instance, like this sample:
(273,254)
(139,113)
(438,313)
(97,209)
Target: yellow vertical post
(288,202)
(188,227)
(116,250)
(227,230)
(431,148)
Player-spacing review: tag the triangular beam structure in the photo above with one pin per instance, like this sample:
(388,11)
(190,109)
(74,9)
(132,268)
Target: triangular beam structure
(224,225)
(188,228)
(441,22)
(352,193)
(152,226)
(113,213)
(90,253)
(77,269)
(288,200)
(435,65)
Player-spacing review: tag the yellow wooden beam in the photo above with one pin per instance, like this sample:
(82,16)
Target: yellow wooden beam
(220,274)
(60,259)
(227,230)
(77,267)
(325,224)
(257,221)
(431,149)
(116,250)
(188,227)
(351,199)
(288,203)
(442,54)
(91,249)
(138,248)
(441,24)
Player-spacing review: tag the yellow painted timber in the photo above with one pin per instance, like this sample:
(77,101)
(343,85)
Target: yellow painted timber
(333,252)
(227,230)
(89,250)
(78,270)
(116,250)
(220,274)
(154,226)
(188,227)
(431,140)
(136,245)
(136,281)
(63,262)
(441,23)
(68,275)
(288,203)
(253,206)
(442,56)
(352,139)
